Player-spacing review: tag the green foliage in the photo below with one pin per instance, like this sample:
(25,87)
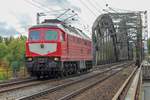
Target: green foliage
(148,45)
(8,40)
(12,51)
(1,39)
(3,50)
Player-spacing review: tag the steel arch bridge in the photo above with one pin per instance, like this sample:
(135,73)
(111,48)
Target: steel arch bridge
(109,44)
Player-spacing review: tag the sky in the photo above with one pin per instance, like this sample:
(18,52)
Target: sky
(18,15)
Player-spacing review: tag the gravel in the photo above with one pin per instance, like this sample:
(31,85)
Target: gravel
(74,87)
(107,89)
(13,95)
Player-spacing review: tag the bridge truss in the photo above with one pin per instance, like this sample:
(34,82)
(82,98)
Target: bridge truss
(119,36)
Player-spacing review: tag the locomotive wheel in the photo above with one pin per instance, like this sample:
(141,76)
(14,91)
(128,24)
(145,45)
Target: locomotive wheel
(75,69)
(60,74)
(57,74)
(38,76)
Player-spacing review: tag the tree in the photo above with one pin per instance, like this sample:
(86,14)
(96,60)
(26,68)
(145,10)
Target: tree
(8,40)
(12,50)
(1,39)
(3,52)
(16,52)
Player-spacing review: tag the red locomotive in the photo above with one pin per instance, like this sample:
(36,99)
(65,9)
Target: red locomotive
(54,48)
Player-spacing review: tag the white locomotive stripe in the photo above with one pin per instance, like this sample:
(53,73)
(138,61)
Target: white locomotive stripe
(43,48)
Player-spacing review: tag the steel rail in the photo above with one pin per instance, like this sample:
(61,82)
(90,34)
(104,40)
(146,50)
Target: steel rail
(23,85)
(50,90)
(81,90)
(5,84)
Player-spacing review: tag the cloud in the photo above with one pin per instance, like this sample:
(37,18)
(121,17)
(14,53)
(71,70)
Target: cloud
(7,30)
(24,20)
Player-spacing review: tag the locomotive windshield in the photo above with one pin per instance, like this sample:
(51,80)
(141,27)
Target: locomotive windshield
(34,35)
(51,35)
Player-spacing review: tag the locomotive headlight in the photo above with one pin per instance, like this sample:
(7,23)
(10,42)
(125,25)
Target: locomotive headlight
(56,59)
(29,59)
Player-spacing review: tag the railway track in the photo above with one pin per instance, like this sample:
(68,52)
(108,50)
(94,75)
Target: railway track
(21,84)
(15,82)
(70,89)
(10,86)
(11,91)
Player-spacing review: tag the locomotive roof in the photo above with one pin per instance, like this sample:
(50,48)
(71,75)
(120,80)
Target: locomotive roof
(68,29)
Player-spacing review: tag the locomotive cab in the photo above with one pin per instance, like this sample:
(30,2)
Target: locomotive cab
(44,42)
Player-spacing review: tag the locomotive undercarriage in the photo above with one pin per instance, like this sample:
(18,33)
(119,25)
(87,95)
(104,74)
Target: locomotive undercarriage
(45,67)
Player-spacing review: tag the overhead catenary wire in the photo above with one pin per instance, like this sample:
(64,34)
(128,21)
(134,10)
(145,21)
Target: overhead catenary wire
(92,4)
(42,5)
(79,21)
(98,4)
(63,13)
(35,5)
(52,10)
(46,10)
(88,8)
(70,17)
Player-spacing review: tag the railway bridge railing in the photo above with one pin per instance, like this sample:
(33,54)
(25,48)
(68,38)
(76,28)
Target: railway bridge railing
(132,87)
(146,72)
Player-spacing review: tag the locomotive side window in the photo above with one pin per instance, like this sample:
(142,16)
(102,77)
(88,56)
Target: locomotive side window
(34,35)
(51,35)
